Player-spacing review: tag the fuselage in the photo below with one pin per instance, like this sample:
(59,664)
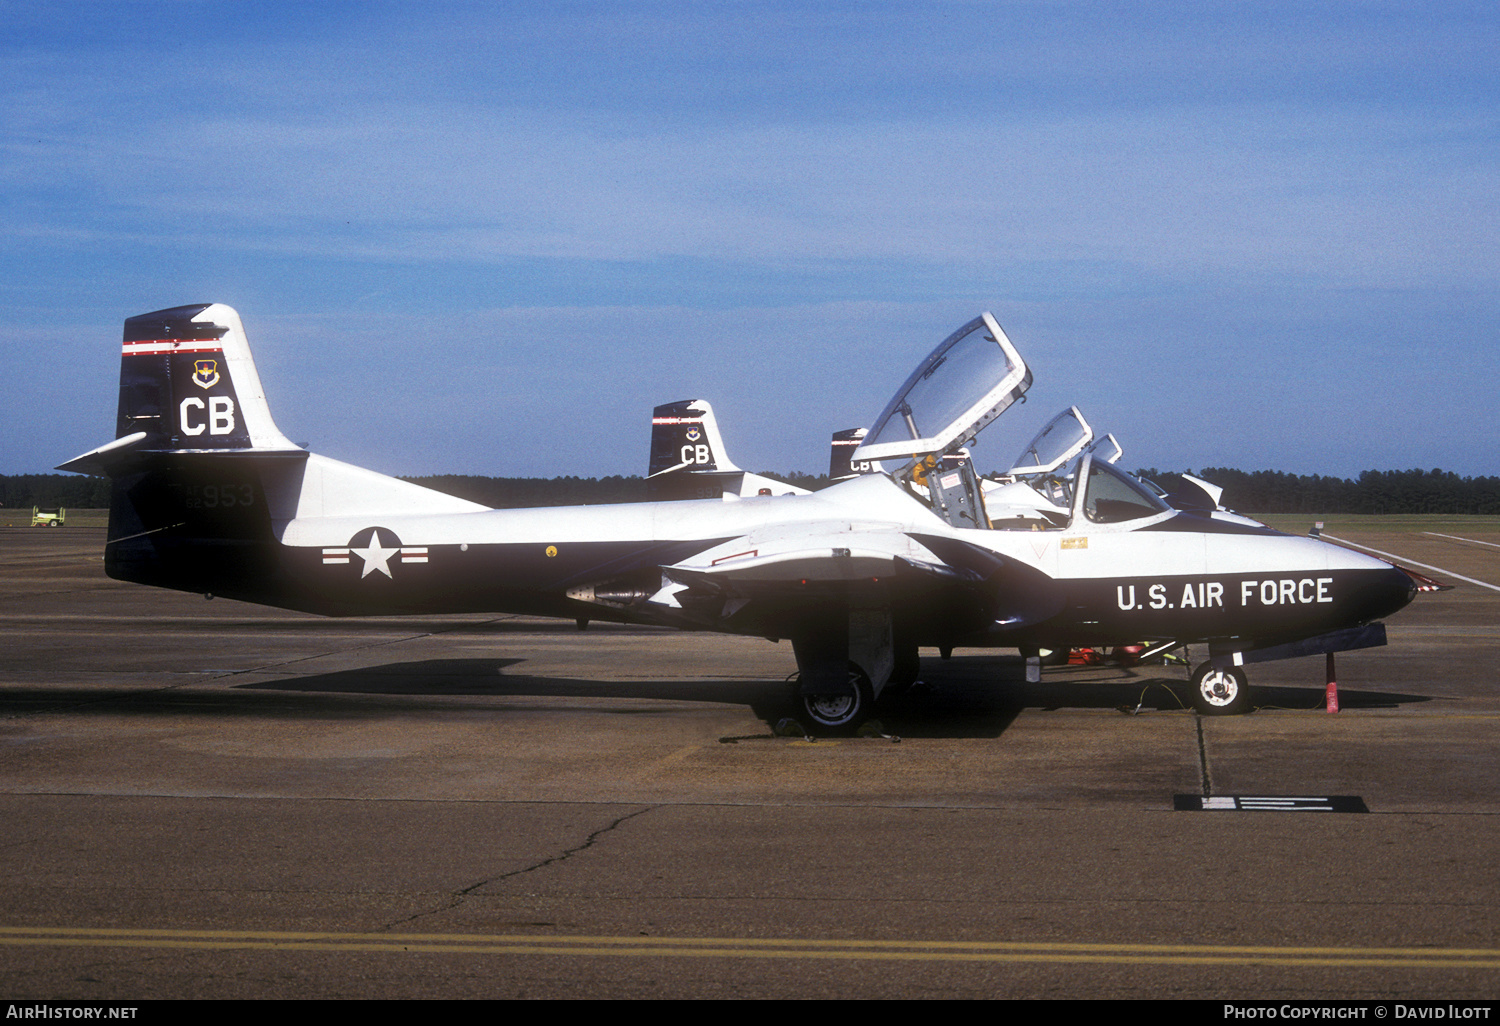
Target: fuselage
(1172,576)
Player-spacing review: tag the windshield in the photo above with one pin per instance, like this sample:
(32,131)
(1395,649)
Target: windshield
(1111,497)
(966,382)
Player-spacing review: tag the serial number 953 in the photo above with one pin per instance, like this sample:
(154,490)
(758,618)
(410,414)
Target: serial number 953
(214,496)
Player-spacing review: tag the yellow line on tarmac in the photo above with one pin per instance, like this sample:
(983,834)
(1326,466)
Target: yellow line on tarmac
(734,947)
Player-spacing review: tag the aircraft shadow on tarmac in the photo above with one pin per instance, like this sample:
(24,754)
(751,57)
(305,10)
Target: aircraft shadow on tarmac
(963,708)
(964,697)
(967,697)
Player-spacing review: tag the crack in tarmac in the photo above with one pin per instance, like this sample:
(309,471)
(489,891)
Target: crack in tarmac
(588,842)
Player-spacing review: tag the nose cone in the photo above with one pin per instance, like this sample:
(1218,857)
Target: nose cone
(1383,592)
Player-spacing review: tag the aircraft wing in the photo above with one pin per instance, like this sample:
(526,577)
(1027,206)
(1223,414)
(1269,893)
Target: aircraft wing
(768,582)
(837,554)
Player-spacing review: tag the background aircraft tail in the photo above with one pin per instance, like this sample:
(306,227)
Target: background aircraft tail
(840,466)
(685,436)
(688,460)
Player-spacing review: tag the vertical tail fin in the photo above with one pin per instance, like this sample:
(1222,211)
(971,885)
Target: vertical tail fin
(188,382)
(195,449)
(204,485)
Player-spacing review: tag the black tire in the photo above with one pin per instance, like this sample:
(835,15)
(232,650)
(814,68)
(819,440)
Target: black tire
(842,712)
(1220,692)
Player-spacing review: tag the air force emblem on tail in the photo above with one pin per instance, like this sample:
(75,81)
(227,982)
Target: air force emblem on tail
(683,438)
(205,373)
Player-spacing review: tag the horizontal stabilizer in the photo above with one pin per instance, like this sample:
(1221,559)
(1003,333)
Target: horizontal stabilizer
(99,461)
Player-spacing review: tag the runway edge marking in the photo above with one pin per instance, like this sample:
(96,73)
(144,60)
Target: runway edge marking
(1413,562)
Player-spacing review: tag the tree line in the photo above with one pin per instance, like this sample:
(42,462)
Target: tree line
(1374,491)
(1260,491)
(76,491)
(50,491)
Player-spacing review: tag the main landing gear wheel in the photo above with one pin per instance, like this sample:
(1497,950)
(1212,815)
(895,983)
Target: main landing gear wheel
(1220,691)
(842,712)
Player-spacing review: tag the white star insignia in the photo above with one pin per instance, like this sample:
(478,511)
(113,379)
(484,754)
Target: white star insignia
(376,556)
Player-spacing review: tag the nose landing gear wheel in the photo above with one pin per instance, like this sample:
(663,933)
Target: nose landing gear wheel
(1220,691)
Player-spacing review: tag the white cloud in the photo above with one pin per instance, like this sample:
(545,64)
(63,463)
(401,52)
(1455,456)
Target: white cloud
(1350,200)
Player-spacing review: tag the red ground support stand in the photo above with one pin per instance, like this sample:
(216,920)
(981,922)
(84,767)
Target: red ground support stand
(1332,695)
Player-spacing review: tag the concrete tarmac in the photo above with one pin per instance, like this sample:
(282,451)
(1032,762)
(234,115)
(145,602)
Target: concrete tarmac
(210,799)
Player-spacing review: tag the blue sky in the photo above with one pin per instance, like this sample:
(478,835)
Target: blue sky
(488,238)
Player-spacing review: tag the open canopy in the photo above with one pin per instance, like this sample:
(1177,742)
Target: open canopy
(1063,438)
(1107,449)
(966,382)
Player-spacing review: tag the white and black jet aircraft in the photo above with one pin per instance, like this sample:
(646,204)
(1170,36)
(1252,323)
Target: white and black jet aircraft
(208,496)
